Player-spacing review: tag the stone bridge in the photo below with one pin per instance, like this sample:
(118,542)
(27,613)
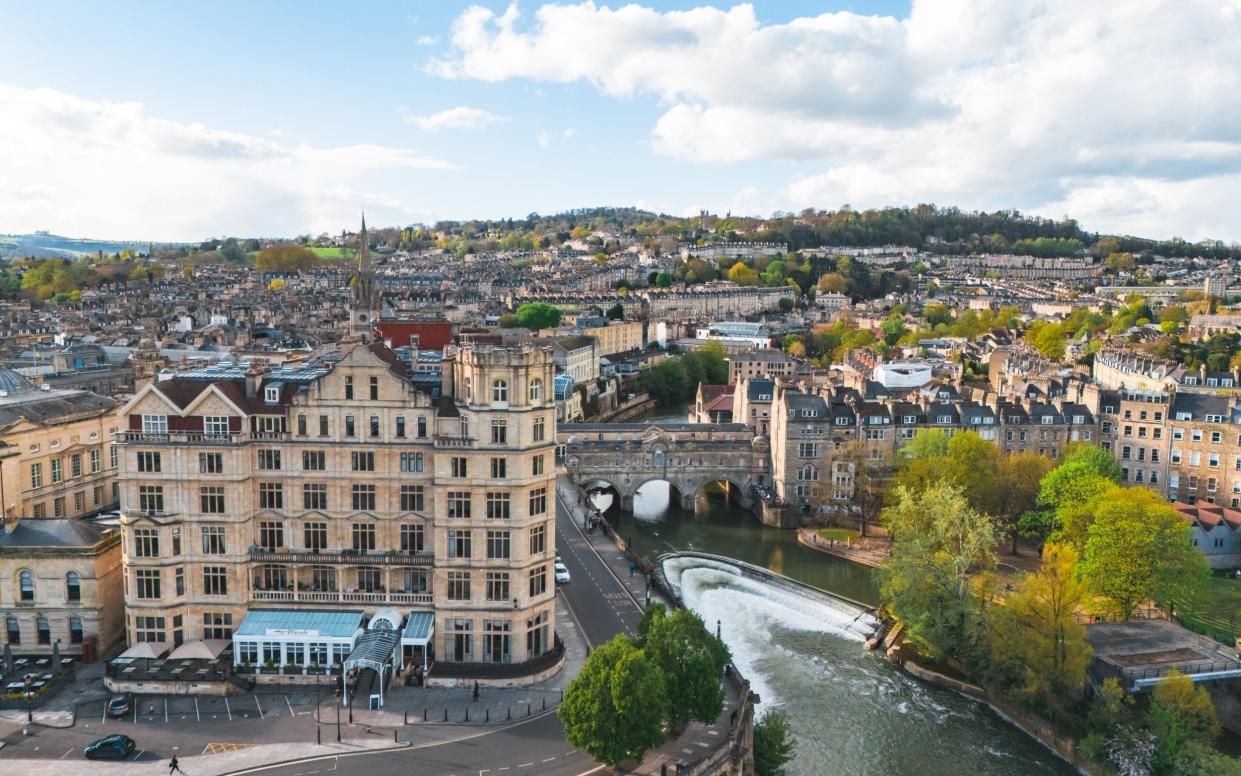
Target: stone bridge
(689,456)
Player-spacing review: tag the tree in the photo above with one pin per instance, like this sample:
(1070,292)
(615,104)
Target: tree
(668,382)
(613,709)
(616,312)
(508,321)
(742,274)
(785,304)
(939,544)
(1137,549)
(1036,630)
(1013,489)
(774,746)
(691,660)
(869,488)
(277,284)
(1083,474)
(538,315)
(1181,714)
(663,280)
(286,258)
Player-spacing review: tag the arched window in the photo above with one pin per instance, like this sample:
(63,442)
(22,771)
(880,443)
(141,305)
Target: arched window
(27,585)
(469,391)
(499,392)
(536,390)
(73,586)
(75,630)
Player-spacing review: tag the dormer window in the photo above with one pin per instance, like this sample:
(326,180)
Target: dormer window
(943,419)
(155,424)
(1048,420)
(271,394)
(842,421)
(909,420)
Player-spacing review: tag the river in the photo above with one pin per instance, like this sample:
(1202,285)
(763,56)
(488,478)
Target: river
(851,711)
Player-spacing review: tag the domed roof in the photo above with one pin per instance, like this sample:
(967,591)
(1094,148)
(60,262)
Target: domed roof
(11,382)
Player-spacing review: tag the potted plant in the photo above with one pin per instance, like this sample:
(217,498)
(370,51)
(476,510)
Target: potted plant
(270,667)
(246,667)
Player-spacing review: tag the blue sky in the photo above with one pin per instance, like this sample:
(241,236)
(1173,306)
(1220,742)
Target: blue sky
(181,121)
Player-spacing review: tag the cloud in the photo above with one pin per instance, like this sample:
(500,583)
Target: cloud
(456,118)
(569,131)
(544,138)
(426,40)
(109,169)
(970,102)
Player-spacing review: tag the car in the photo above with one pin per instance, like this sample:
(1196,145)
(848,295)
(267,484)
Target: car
(115,747)
(562,574)
(120,705)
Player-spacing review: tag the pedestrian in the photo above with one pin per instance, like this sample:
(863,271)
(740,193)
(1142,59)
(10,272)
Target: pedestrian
(631,569)
(174,766)
(476,691)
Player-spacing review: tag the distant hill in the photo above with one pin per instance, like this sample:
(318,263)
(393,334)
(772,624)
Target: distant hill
(42,245)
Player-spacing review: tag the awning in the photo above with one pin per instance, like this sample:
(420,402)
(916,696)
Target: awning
(208,649)
(419,628)
(145,649)
(374,649)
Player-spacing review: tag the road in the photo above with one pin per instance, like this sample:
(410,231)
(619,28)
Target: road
(602,609)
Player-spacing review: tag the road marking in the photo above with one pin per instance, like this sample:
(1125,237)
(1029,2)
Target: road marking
(165,711)
(66,754)
(526,765)
(286,700)
(548,759)
(140,753)
(259,706)
(196,712)
(229,710)
(103,719)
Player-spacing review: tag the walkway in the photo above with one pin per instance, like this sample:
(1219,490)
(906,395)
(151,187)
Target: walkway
(869,552)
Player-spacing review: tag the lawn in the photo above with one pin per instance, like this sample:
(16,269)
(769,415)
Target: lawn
(327,254)
(1219,615)
(838,534)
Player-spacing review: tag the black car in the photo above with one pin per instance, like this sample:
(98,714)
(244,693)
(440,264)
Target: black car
(120,705)
(110,748)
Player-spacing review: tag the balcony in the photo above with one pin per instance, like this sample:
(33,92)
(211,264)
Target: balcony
(454,442)
(339,597)
(346,557)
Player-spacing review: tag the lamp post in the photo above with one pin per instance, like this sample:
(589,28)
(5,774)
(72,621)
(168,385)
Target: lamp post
(338,720)
(29,700)
(318,729)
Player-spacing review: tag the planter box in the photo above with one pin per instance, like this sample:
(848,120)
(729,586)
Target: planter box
(243,669)
(266,670)
(316,671)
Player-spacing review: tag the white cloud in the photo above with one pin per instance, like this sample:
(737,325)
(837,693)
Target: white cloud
(544,138)
(457,118)
(106,169)
(969,102)
(569,131)
(426,40)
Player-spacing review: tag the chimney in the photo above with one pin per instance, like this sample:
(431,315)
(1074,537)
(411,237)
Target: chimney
(253,374)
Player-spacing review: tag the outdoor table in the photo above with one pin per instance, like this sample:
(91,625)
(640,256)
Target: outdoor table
(37,685)
(130,670)
(41,661)
(21,661)
(15,686)
(65,661)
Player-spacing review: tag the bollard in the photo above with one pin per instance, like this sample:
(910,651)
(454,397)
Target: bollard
(488,716)
(527,709)
(445,715)
(407,717)
(562,695)
(544,703)
(424,713)
(510,712)
(467,713)
(395,740)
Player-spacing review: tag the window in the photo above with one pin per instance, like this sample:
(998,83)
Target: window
(370,579)
(96,461)
(498,506)
(363,537)
(36,475)
(314,536)
(469,391)
(497,586)
(149,629)
(40,509)
(538,581)
(214,425)
(350,430)
(301,425)
(499,468)
(26,583)
(271,495)
(178,580)
(458,586)
(536,635)
(75,630)
(212,499)
(314,495)
(73,586)
(75,464)
(348,386)
(364,497)
(148,583)
(362,461)
(114,456)
(213,540)
(499,432)
(43,629)
(1195,434)
(540,429)
(269,460)
(323,426)
(14,630)
(459,543)
(422,428)
(414,580)
(148,462)
(499,392)
(155,424)
(460,467)
(271,534)
(412,498)
(809,449)
(374,425)
(538,501)
(400,427)
(314,460)
(58,470)
(210,463)
(498,545)
(217,625)
(538,540)
(537,464)
(1195,458)
(497,641)
(374,385)
(58,506)
(146,543)
(79,500)
(215,580)
(413,538)
(536,391)
(411,463)
(459,503)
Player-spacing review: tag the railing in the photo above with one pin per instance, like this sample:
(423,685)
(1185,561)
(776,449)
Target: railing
(340,596)
(450,442)
(344,557)
(443,668)
(194,437)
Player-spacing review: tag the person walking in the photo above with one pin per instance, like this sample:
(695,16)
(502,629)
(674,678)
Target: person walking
(174,766)
(476,691)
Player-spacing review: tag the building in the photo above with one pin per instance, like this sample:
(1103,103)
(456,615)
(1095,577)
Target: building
(766,362)
(64,463)
(574,355)
(611,336)
(753,335)
(1215,532)
(61,583)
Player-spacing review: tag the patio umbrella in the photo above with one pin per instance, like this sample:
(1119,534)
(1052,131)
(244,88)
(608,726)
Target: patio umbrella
(56,657)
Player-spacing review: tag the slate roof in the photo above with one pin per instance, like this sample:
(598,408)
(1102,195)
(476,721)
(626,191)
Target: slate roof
(50,407)
(53,532)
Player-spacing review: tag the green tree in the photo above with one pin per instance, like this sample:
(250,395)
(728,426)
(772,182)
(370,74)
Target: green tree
(508,321)
(1012,489)
(538,315)
(663,280)
(613,709)
(616,312)
(668,381)
(1181,715)
(1036,631)
(939,545)
(774,746)
(1083,474)
(691,660)
(1137,549)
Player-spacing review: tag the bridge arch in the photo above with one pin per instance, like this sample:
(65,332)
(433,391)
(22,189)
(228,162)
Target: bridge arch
(677,494)
(597,485)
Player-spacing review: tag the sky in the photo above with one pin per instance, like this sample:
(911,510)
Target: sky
(183,121)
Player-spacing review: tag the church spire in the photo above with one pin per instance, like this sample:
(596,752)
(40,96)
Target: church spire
(363,249)
(366,301)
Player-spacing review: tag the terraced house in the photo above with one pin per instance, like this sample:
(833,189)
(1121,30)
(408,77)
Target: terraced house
(348,483)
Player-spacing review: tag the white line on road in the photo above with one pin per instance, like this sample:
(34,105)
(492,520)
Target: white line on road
(165,711)
(259,706)
(66,754)
(103,720)
(286,700)
(229,710)
(196,712)
(140,753)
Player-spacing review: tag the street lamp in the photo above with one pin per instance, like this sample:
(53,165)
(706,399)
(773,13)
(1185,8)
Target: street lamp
(29,699)
(318,729)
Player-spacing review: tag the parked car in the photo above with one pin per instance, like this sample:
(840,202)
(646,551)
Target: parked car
(120,705)
(562,574)
(111,748)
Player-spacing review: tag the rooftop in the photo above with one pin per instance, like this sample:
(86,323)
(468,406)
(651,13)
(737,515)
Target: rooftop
(337,624)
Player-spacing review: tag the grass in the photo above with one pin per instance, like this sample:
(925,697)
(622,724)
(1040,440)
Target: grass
(327,254)
(1219,614)
(838,534)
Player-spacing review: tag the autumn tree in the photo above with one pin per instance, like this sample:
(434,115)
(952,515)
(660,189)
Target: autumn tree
(742,274)
(1036,633)
(613,709)
(286,258)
